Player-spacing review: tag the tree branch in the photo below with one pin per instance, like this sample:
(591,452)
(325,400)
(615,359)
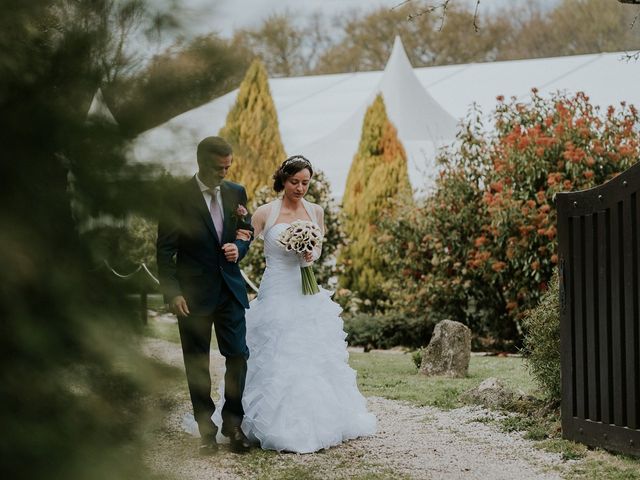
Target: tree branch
(444,5)
(475,17)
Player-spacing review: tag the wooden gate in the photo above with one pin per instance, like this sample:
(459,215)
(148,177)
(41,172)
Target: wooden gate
(599,263)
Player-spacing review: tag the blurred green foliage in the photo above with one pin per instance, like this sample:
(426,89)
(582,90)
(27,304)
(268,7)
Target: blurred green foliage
(127,244)
(184,76)
(70,382)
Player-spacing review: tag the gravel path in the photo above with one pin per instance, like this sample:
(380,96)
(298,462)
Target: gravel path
(412,442)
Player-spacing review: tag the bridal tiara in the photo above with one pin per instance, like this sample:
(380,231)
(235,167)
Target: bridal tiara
(295,158)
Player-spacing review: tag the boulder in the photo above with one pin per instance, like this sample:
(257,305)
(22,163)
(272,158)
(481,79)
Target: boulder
(448,351)
(491,393)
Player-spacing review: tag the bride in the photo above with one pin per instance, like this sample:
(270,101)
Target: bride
(300,393)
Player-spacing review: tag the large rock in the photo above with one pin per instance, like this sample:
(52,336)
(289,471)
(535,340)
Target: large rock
(491,393)
(449,351)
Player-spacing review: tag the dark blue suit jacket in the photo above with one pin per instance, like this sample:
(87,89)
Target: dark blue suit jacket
(190,257)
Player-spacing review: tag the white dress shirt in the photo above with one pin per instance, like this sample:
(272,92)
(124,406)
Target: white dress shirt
(207,196)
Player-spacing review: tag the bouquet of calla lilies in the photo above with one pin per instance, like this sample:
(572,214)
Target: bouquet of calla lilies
(303,237)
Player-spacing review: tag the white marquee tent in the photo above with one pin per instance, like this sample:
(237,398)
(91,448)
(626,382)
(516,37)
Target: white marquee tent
(321,116)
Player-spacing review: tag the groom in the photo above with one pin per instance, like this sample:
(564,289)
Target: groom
(204,287)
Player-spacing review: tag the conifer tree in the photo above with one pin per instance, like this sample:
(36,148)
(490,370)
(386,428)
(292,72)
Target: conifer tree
(378,180)
(252,129)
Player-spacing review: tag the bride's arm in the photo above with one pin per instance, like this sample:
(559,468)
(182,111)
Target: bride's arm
(318,250)
(259,219)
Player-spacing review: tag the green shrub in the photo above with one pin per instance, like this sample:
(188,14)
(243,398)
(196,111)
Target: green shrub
(482,246)
(387,331)
(542,342)
(416,356)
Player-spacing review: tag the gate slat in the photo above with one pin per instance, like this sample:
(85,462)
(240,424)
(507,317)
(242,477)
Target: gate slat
(591,304)
(604,310)
(578,318)
(565,232)
(617,343)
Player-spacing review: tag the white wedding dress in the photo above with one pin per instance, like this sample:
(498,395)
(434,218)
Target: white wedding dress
(300,394)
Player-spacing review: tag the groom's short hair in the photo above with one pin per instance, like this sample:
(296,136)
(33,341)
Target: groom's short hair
(217,146)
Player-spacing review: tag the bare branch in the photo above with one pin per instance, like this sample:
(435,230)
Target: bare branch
(475,17)
(444,5)
(632,56)
(401,4)
(444,14)
(431,9)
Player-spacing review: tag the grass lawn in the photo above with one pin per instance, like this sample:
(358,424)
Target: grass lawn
(164,329)
(155,301)
(394,375)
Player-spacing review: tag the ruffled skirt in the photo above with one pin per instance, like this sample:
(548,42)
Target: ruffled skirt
(300,393)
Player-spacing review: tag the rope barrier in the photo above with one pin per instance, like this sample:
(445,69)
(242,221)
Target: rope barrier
(144,267)
(119,275)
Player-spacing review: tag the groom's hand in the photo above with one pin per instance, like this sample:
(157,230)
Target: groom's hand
(230,252)
(179,306)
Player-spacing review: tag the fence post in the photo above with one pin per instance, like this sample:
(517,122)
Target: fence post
(143,306)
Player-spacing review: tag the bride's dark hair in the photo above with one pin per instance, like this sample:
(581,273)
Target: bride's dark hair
(290,167)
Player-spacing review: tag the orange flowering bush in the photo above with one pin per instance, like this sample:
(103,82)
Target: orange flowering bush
(490,223)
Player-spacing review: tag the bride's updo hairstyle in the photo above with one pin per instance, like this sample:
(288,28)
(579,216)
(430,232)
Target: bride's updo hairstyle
(289,168)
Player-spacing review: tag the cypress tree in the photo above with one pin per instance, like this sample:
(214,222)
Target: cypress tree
(378,180)
(252,129)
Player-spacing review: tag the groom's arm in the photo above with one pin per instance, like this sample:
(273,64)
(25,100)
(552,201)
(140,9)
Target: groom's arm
(243,245)
(166,249)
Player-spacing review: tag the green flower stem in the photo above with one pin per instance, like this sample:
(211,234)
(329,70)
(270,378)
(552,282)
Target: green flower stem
(309,283)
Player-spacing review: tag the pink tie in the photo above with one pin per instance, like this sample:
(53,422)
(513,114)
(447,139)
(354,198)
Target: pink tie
(216,213)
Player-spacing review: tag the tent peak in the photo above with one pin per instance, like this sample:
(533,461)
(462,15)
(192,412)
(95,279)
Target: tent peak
(398,58)
(414,112)
(99,111)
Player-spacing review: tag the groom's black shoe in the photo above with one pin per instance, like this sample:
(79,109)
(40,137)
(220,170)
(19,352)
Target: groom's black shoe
(208,445)
(239,441)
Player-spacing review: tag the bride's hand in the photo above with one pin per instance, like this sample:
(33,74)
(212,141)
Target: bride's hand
(308,256)
(243,235)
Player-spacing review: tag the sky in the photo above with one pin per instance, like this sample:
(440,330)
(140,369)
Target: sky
(201,17)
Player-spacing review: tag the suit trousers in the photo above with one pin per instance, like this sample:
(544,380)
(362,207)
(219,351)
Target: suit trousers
(228,321)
